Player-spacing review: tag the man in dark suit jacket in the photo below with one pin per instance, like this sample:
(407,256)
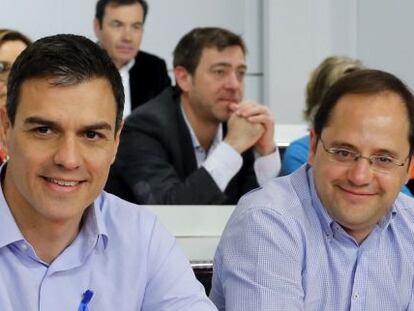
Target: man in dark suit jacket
(119,28)
(194,144)
(148,77)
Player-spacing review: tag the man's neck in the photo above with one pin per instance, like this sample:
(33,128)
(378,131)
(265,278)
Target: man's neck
(204,130)
(125,66)
(50,241)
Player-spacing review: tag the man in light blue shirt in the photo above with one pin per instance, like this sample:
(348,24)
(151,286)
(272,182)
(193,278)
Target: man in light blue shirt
(64,243)
(335,235)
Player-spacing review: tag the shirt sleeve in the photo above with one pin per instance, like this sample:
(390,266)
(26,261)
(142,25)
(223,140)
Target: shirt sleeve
(223,164)
(267,167)
(258,264)
(172,285)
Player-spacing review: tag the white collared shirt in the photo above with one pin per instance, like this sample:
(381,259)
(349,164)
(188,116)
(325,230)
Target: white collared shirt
(223,162)
(124,72)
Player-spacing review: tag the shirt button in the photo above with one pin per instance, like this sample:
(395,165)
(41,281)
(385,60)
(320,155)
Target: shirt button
(355,296)
(24,247)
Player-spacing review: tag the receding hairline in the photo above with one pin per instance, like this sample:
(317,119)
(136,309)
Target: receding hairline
(379,93)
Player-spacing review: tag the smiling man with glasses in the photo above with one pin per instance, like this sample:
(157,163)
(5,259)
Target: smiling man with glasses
(337,234)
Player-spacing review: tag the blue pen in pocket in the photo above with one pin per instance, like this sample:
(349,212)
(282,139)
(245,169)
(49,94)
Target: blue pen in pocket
(86,298)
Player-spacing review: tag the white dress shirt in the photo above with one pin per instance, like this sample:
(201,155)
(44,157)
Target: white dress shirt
(124,72)
(223,162)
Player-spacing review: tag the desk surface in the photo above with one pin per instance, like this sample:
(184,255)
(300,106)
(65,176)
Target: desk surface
(197,227)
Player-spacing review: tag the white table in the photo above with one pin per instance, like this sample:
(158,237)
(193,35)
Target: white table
(197,227)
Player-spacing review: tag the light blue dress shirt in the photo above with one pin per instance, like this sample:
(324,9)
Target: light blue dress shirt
(122,254)
(281,251)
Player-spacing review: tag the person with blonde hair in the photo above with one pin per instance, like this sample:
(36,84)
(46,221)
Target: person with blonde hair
(12,43)
(322,78)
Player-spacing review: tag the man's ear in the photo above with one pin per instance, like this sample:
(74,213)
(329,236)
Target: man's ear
(410,174)
(97,28)
(312,146)
(183,78)
(4,128)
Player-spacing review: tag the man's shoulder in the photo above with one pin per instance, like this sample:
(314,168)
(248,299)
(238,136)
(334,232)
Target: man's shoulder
(161,108)
(404,207)
(148,58)
(287,196)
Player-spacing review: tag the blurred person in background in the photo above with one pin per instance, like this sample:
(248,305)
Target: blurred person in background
(12,43)
(199,142)
(322,78)
(119,27)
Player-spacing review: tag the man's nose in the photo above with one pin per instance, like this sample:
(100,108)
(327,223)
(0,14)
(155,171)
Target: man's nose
(67,154)
(360,172)
(127,33)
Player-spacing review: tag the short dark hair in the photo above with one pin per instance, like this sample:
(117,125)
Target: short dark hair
(68,60)
(364,81)
(102,4)
(188,51)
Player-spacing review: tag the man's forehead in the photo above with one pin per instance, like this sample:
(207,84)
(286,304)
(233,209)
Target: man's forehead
(370,115)
(114,8)
(232,55)
(390,99)
(37,91)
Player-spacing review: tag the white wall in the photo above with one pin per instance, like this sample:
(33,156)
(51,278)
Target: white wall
(166,23)
(286,39)
(385,36)
(299,34)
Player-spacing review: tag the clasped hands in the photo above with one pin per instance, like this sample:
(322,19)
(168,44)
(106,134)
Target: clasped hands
(251,124)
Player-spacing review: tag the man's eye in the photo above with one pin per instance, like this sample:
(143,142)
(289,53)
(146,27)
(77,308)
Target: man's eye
(92,135)
(343,154)
(241,74)
(43,130)
(219,72)
(116,24)
(137,26)
(383,159)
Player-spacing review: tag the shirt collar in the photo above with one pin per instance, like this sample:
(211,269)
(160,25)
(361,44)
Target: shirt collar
(196,144)
(9,231)
(97,224)
(124,70)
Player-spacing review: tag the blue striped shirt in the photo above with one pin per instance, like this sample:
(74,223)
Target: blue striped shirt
(282,251)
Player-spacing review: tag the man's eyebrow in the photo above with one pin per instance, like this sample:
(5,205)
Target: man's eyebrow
(116,21)
(40,121)
(98,126)
(44,122)
(227,65)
